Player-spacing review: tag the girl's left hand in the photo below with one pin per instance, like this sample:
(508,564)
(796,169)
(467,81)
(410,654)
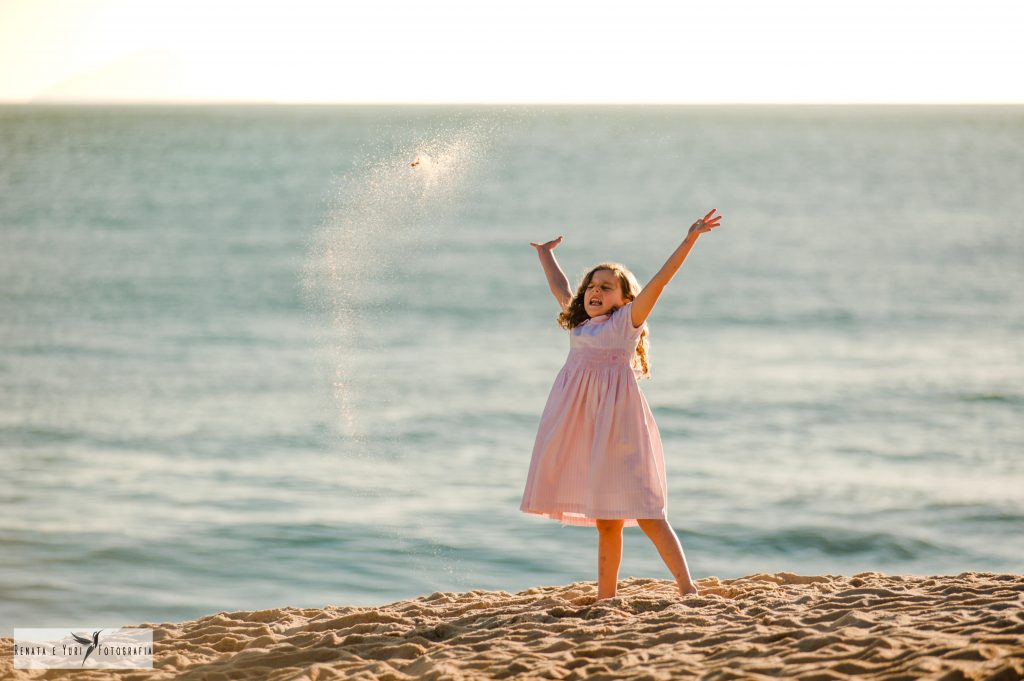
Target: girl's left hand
(705,224)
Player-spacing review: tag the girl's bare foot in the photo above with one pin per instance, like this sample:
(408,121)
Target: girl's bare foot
(687,589)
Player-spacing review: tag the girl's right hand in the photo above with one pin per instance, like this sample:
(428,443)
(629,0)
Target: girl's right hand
(549,246)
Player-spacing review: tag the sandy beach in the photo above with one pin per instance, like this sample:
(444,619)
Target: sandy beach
(782,625)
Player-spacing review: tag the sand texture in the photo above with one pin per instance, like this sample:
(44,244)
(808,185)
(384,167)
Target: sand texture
(764,626)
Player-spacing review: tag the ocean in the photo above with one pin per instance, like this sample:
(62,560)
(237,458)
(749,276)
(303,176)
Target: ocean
(250,357)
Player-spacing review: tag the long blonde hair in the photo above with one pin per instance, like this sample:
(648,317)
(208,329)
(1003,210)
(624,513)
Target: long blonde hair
(575,313)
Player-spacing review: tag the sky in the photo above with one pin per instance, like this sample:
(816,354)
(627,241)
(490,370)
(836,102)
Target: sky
(526,51)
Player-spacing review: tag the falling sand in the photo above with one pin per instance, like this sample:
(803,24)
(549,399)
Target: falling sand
(380,216)
(381,212)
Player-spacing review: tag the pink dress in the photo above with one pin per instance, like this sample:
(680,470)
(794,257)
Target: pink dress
(598,453)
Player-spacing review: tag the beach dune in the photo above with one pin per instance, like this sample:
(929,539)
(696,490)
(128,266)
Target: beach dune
(763,626)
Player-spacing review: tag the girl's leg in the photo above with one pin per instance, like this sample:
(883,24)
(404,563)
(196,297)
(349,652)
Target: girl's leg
(667,543)
(609,555)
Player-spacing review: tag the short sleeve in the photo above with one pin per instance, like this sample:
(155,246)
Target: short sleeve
(624,323)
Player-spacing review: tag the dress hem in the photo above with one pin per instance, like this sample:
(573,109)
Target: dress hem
(567,518)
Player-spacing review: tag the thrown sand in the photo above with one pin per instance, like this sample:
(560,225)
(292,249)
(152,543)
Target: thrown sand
(869,626)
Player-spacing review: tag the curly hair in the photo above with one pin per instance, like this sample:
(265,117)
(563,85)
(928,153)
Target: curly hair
(575,313)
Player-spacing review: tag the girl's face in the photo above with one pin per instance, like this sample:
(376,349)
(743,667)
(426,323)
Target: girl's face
(603,294)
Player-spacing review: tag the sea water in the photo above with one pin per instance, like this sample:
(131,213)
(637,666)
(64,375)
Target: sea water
(252,357)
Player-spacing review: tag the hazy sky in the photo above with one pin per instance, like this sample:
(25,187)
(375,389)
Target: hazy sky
(522,51)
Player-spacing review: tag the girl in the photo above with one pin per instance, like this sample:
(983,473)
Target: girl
(598,460)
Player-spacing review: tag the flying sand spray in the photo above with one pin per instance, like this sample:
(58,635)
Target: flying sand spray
(381,213)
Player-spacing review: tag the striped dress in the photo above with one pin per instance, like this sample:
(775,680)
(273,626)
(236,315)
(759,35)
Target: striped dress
(598,453)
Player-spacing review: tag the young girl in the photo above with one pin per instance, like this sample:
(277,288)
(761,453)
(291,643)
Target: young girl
(598,460)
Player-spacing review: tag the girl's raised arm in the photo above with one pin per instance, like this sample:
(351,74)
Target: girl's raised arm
(557,281)
(645,300)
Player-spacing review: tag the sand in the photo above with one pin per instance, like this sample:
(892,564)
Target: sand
(764,626)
